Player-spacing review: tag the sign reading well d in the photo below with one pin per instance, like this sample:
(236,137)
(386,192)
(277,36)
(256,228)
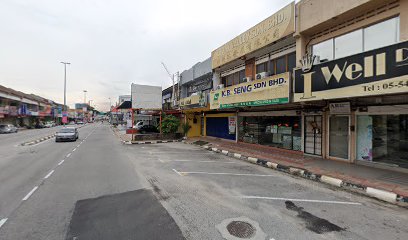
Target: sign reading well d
(267,91)
(376,72)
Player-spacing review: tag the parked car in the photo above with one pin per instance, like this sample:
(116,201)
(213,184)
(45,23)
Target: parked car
(8,128)
(147,129)
(39,125)
(67,134)
(49,124)
(138,125)
(80,122)
(71,123)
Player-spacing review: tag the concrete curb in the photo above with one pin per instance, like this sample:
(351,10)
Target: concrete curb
(149,142)
(383,195)
(38,140)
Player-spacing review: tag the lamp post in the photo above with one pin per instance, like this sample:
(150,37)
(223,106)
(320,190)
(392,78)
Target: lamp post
(85,91)
(65,86)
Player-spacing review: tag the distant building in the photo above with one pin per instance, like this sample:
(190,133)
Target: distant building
(123,98)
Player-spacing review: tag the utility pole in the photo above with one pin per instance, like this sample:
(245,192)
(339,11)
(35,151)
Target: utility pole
(65,86)
(172,79)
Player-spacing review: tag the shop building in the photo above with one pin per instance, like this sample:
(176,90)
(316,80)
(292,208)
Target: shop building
(352,80)
(252,84)
(195,85)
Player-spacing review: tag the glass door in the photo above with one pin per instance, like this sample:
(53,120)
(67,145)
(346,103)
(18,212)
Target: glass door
(313,135)
(339,137)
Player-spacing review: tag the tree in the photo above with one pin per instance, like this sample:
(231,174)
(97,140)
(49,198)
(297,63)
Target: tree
(170,124)
(186,127)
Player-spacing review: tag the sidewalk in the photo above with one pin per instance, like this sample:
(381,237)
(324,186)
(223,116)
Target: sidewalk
(351,174)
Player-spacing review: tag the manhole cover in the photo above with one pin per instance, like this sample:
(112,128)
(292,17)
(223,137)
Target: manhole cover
(241,229)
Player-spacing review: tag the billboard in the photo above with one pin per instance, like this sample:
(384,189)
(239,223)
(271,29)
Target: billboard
(146,97)
(273,28)
(266,91)
(194,101)
(376,72)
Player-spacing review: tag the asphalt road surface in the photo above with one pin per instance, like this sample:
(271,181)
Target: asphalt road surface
(98,188)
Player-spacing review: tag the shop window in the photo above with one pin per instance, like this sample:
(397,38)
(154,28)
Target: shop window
(383,138)
(272,67)
(381,34)
(262,67)
(365,39)
(229,80)
(281,65)
(291,62)
(241,76)
(324,50)
(277,131)
(348,44)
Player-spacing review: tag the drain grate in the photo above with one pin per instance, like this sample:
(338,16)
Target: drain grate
(241,229)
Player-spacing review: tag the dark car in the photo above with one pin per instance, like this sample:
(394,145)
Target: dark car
(148,129)
(67,134)
(8,128)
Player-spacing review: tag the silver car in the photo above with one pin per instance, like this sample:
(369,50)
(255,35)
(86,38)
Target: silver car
(8,128)
(67,134)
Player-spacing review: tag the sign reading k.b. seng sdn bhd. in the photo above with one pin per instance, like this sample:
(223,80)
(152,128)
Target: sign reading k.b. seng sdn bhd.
(376,72)
(267,91)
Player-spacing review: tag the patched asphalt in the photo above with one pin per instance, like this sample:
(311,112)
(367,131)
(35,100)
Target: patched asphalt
(130,215)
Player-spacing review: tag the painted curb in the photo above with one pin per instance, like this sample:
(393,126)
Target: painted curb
(150,142)
(332,181)
(37,140)
(383,195)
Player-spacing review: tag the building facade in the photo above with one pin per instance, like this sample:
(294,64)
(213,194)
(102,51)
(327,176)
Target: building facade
(252,86)
(353,80)
(195,86)
(328,78)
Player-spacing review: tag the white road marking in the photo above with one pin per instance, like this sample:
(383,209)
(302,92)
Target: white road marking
(61,162)
(3,221)
(74,150)
(49,174)
(231,174)
(299,200)
(69,154)
(30,193)
(177,172)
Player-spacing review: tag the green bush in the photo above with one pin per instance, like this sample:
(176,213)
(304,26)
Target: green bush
(185,127)
(170,124)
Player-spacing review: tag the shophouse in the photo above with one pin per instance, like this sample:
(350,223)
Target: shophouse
(252,85)
(352,80)
(195,85)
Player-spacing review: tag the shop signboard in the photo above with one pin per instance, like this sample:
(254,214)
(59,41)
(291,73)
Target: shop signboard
(194,101)
(267,91)
(232,124)
(275,27)
(340,108)
(377,72)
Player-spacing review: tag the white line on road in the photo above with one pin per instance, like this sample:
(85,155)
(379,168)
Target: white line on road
(231,174)
(177,172)
(299,200)
(3,221)
(69,154)
(49,174)
(61,162)
(74,150)
(30,193)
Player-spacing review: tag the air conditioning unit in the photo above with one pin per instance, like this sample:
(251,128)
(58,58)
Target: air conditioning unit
(261,75)
(221,86)
(246,79)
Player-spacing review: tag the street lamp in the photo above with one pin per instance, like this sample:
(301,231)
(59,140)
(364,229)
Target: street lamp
(65,86)
(85,91)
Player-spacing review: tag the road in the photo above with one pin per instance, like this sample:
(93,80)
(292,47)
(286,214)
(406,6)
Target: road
(98,188)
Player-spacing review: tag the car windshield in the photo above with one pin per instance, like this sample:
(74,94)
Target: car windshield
(67,130)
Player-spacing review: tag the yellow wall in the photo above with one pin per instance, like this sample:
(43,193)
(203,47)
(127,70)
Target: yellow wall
(195,127)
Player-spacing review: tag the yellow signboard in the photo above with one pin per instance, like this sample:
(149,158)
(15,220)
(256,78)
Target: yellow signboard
(273,28)
(267,91)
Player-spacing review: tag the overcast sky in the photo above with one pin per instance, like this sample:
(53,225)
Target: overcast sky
(113,43)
